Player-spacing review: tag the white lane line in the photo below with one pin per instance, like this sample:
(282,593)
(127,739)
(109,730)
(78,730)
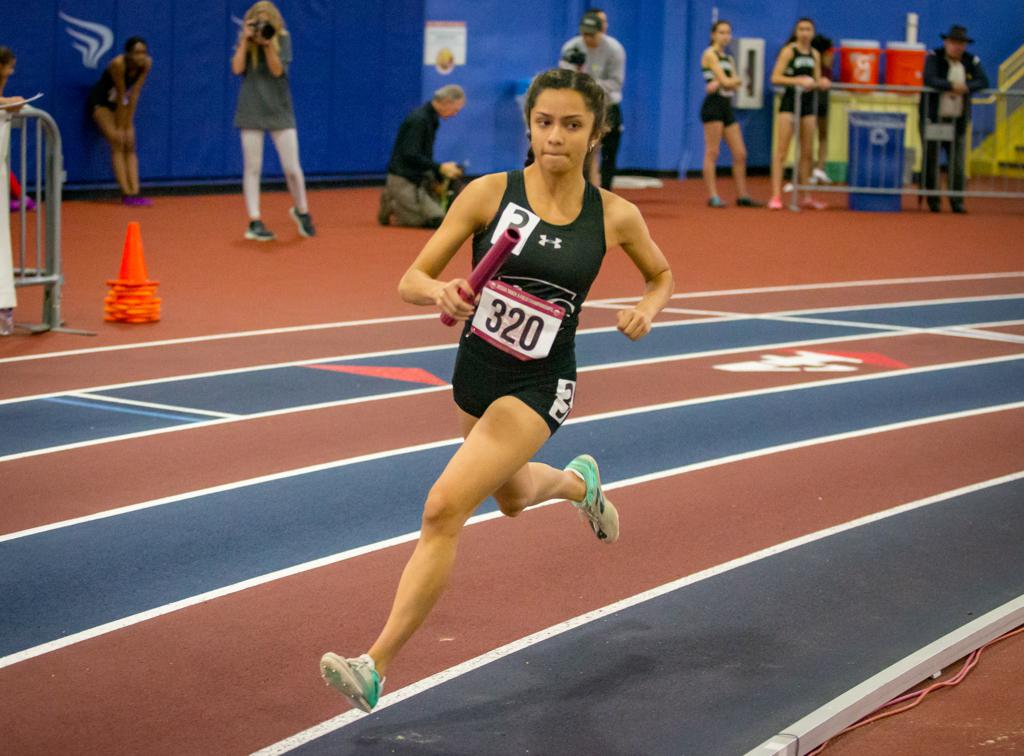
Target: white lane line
(714,316)
(782,318)
(150,405)
(965,332)
(135,619)
(458,670)
(649,408)
(902,304)
(830,285)
(220,421)
(412,392)
(234,371)
(301,363)
(998,323)
(975,333)
(219,337)
(428,316)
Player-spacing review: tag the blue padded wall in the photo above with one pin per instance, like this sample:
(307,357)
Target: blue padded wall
(358,69)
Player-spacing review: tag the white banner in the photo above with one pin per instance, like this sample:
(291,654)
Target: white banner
(750,68)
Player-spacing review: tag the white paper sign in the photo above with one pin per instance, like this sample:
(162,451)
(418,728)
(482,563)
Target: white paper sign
(750,69)
(26,101)
(444,45)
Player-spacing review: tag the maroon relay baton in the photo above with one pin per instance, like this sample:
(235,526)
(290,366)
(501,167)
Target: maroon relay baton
(488,266)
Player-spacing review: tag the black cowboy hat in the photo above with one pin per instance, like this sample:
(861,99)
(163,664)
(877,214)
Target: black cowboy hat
(957,33)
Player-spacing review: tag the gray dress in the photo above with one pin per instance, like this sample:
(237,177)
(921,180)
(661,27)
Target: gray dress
(265,100)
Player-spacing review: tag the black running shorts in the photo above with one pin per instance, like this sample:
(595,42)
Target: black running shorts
(717,108)
(808,102)
(484,374)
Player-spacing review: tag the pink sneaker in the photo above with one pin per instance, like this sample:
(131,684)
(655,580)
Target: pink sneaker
(775,203)
(810,203)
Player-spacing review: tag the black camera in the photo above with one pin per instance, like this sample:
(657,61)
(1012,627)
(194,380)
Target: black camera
(575,57)
(263,29)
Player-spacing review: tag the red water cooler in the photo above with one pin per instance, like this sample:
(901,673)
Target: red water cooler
(859,61)
(904,63)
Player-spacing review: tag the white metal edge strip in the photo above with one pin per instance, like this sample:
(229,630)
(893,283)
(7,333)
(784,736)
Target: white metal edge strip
(839,713)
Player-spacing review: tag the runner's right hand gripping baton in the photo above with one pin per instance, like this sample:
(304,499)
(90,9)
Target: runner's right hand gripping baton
(488,266)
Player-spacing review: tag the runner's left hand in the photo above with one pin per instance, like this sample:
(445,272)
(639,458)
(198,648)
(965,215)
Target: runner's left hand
(634,323)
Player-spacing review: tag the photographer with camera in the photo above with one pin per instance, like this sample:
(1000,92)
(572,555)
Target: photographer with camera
(596,53)
(261,57)
(411,192)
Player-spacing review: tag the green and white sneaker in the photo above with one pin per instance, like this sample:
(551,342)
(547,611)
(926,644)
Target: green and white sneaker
(356,679)
(600,513)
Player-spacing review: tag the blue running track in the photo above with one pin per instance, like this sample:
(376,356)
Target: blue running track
(45,423)
(72,578)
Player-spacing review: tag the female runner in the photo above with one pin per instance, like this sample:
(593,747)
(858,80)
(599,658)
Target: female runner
(798,64)
(112,102)
(510,404)
(719,71)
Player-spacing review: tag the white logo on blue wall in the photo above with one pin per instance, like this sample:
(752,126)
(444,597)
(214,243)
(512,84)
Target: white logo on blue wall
(94,40)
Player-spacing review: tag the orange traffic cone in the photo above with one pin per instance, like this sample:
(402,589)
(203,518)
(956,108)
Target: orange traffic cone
(132,297)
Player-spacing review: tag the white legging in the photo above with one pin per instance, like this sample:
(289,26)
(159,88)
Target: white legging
(286,141)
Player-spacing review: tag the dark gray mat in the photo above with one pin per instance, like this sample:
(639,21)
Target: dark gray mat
(720,666)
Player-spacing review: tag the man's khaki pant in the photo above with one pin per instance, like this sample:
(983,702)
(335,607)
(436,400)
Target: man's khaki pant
(410,204)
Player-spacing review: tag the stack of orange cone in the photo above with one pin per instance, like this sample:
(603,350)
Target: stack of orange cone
(132,297)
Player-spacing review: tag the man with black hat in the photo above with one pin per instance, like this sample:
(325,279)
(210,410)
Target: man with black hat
(944,114)
(596,53)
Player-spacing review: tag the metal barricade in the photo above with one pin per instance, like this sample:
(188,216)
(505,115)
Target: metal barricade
(37,255)
(983,155)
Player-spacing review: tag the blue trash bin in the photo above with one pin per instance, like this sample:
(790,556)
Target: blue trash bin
(876,156)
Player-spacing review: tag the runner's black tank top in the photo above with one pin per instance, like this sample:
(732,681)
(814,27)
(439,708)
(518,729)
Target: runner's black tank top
(104,91)
(556,263)
(726,63)
(801,64)
(728,68)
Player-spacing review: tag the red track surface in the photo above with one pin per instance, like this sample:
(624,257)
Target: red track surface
(239,672)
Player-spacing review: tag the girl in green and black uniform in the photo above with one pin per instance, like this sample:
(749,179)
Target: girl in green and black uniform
(719,71)
(798,64)
(514,386)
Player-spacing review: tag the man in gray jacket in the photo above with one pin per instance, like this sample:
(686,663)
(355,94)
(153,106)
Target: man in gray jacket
(596,53)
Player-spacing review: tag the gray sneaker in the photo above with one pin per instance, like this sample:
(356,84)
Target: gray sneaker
(356,679)
(304,221)
(258,232)
(600,513)
(6,321)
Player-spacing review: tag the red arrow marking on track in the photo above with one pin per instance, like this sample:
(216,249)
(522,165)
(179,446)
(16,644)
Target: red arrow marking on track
(871,358)
(410,375)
